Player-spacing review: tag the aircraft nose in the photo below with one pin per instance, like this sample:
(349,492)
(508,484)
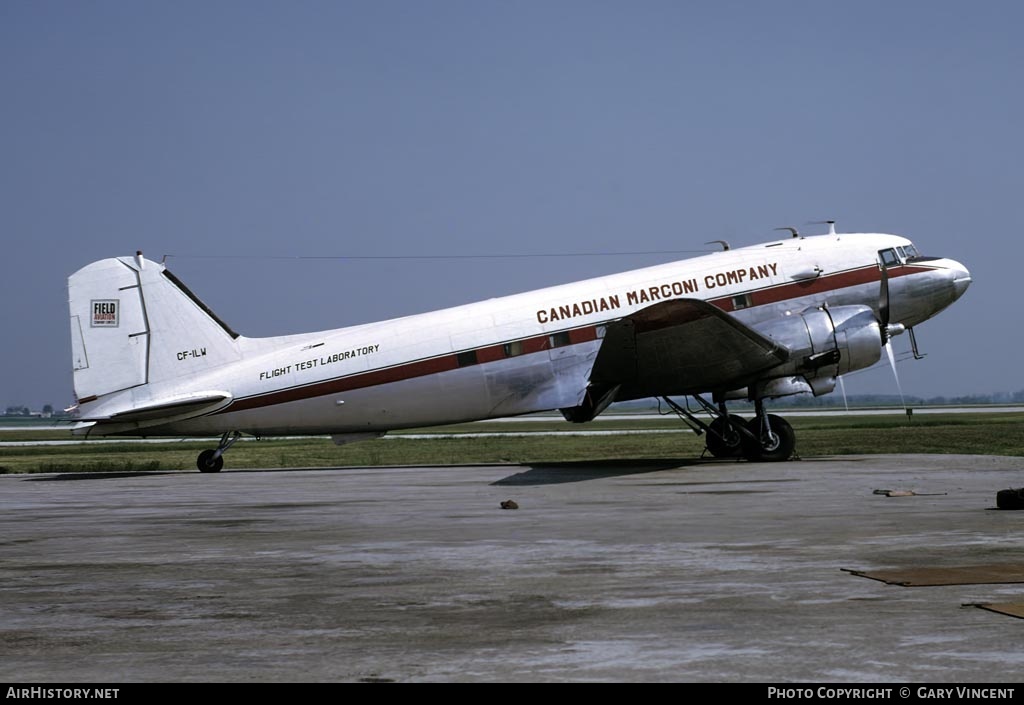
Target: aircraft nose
(961,278)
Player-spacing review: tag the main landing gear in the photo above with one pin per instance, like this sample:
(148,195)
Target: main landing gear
(213,460)
(764,438)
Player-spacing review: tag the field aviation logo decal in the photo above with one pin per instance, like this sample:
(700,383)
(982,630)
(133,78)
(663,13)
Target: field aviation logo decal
(104,313)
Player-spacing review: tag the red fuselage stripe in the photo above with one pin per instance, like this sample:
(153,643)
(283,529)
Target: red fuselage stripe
(540,343)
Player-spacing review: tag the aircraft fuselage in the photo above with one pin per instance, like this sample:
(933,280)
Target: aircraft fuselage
(516,354)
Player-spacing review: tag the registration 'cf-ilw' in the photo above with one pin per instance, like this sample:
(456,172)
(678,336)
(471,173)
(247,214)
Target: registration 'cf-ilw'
(784,317)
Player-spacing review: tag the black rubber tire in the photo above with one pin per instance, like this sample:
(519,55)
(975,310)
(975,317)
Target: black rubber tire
(207,463)
(781,445)
(726,443)
(1010,499)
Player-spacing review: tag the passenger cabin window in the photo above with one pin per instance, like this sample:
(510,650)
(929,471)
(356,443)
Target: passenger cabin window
(741,301)
(558,340)
(513,349)
(465,359)
(889,257)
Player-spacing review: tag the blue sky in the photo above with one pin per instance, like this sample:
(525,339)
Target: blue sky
(252,130)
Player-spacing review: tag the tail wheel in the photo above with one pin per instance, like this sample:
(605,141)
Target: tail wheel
(208,463)
(725,440)
(773,444)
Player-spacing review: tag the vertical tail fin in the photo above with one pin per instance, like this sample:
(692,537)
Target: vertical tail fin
(133,324)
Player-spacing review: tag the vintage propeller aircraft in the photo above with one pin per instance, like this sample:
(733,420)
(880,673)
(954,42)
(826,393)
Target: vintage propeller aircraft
(784,317)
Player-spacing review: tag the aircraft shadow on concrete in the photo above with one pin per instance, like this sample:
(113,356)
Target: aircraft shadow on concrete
(113,475)
(117,475)
(583,470)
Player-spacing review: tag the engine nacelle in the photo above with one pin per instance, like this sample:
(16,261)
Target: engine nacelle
(825,343)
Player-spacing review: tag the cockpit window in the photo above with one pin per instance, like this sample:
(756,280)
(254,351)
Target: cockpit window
(903,254)
(889,257)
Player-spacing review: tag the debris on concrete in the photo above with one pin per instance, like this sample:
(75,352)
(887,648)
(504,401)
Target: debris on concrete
(909,493)
(509,504)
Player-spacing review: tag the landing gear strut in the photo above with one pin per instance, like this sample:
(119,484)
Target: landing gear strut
(765,438)
(773,439)
(213,460)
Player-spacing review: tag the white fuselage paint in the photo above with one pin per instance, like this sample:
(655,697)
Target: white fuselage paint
(381,376)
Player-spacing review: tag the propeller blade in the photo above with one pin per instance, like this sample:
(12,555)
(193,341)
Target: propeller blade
(883,299)
(892,364)
(842,386)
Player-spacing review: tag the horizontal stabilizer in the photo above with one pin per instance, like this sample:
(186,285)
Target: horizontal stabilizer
(165,409)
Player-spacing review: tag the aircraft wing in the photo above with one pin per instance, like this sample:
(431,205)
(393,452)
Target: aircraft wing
(683,346)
